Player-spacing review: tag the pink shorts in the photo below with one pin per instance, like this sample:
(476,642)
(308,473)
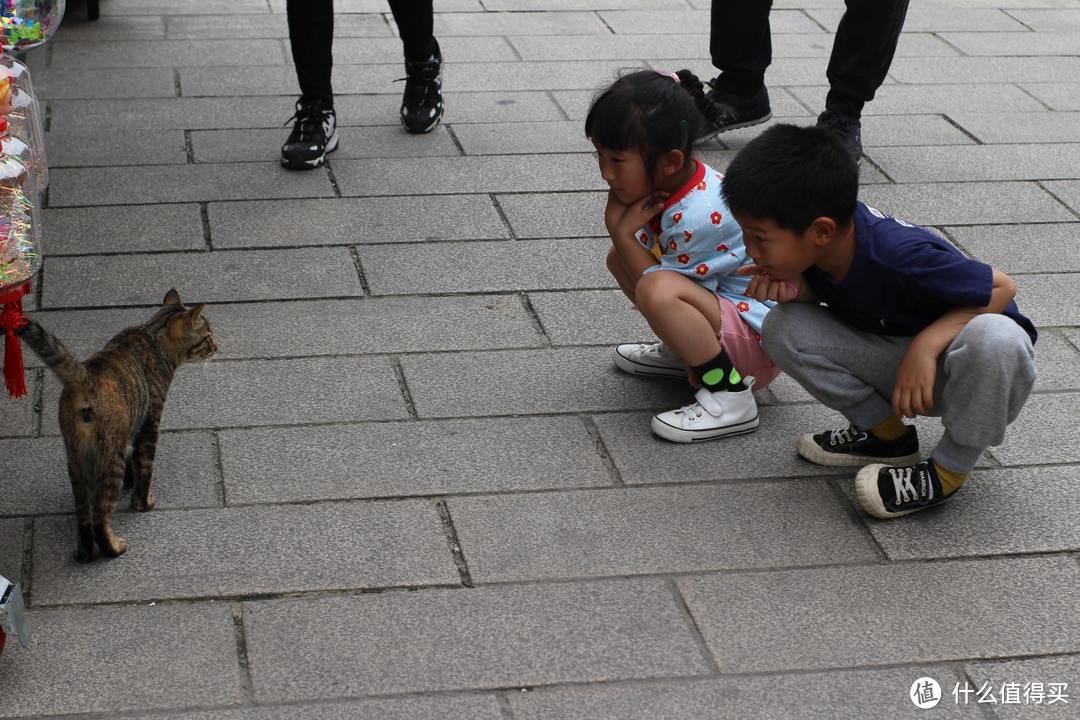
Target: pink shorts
(743,346)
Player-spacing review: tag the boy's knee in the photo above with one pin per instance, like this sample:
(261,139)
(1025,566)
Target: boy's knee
(995,338)
(779,330)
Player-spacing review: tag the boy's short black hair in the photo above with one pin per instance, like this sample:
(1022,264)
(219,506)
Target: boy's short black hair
(792,175)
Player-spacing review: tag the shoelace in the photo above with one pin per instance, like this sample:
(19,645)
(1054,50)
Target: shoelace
(420,82)
(905,490)
(309,124)
(839,437)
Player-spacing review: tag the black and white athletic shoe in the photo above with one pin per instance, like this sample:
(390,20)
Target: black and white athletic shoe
(852,447)
(724,111)
(314,134)
(887,491)
(846,127)
(422,103)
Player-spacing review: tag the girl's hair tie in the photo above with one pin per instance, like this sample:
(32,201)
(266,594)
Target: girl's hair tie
(673,76)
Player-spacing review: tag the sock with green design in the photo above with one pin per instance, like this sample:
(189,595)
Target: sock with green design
(719,374)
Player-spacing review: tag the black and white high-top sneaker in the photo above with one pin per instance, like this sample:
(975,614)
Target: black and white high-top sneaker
(887,491)
(313,135)
(422,104)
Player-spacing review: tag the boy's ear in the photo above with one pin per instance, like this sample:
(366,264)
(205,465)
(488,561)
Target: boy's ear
(823,230)
(672,162)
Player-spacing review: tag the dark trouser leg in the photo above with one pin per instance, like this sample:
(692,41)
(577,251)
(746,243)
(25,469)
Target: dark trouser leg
(740,44)
(415,21)
(311,36)
(862,52)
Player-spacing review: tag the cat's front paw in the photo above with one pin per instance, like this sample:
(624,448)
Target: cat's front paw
(143,505)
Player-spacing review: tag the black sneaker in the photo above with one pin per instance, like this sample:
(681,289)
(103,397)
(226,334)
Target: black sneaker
(724,111)
(887,491)
(847,127)
(422,104)
(852,447)
(313,135)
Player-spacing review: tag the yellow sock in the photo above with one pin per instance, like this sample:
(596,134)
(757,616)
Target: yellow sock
(889,429)
(950,480)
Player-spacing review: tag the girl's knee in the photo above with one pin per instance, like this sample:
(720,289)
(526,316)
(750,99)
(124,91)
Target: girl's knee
(654,288)
(614,264)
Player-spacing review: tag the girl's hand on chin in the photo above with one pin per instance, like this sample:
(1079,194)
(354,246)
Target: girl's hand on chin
(641,211)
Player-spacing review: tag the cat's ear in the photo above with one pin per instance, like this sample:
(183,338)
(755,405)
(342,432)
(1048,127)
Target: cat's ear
(194,314)
(172,298)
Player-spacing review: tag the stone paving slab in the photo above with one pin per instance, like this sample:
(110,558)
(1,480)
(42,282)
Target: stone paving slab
(207,27)
(72,82)
(1058,363)
(367,50)
(979,162)
(486,267)
(352,221)
(75,148)
(1050,299)
(844,695)
(514,382)
(558,215)
(590,317)
(877,131)
(1046,670)
(558,5)
(975,70)
(114,229)
(675,22)
(11,547)
(244,551)
(165,7)
(271,392)
(1041,434)
(528,138)
(36,476)
(967,203)
(900,99)
(1056,96)
(166,53)
(1025,43)
(123,658)
(546,173)
(638,531)
(471,706)
(17,417)
(217,146)
(458,639)
(576,102)
(1022,127)
(111,29)
(996,245)
(182,183)
(220,276)
(193,113)
(997,512)
(548,23)
(1049,19)
(395,459)
(326,327)
(929,17)
(846,616)
(1068,191)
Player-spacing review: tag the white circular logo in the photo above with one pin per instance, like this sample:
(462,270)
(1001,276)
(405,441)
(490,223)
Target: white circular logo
(925,693)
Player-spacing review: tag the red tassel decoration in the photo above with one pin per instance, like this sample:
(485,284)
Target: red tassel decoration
(12,318)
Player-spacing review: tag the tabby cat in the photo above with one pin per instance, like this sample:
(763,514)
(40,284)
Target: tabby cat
(110,409)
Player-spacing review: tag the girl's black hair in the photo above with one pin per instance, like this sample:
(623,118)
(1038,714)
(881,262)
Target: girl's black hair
(648,111)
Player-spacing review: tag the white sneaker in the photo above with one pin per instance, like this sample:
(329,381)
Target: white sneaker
(714,415)
(649,359)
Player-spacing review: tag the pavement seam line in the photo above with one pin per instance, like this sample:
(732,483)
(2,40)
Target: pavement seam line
(602,450)
(454,543)
(692,625)
(534,317)
(219,468)
(505,709)
(403,387)
(247,688)
(27,568)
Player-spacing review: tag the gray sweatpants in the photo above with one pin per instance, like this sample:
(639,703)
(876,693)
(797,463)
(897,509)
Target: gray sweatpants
(983,377)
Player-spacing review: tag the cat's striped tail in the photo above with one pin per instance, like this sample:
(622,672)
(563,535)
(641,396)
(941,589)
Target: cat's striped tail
(54,353)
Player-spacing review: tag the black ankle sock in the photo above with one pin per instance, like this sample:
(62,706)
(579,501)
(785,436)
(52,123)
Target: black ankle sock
(720,374)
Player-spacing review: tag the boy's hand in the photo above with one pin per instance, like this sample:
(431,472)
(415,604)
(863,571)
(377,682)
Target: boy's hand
(764,286)
(914,391)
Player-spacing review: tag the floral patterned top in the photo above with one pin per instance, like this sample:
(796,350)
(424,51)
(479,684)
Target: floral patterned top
(695,235)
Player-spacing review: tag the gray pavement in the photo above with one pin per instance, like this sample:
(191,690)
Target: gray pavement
(413,485)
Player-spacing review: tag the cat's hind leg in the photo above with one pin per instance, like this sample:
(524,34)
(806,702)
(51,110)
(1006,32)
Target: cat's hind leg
(104,500)
(142,462)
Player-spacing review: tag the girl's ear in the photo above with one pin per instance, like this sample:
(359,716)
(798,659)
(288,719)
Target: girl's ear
(672,162)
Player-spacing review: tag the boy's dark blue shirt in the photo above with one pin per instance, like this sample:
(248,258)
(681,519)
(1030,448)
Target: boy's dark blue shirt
(903,278)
